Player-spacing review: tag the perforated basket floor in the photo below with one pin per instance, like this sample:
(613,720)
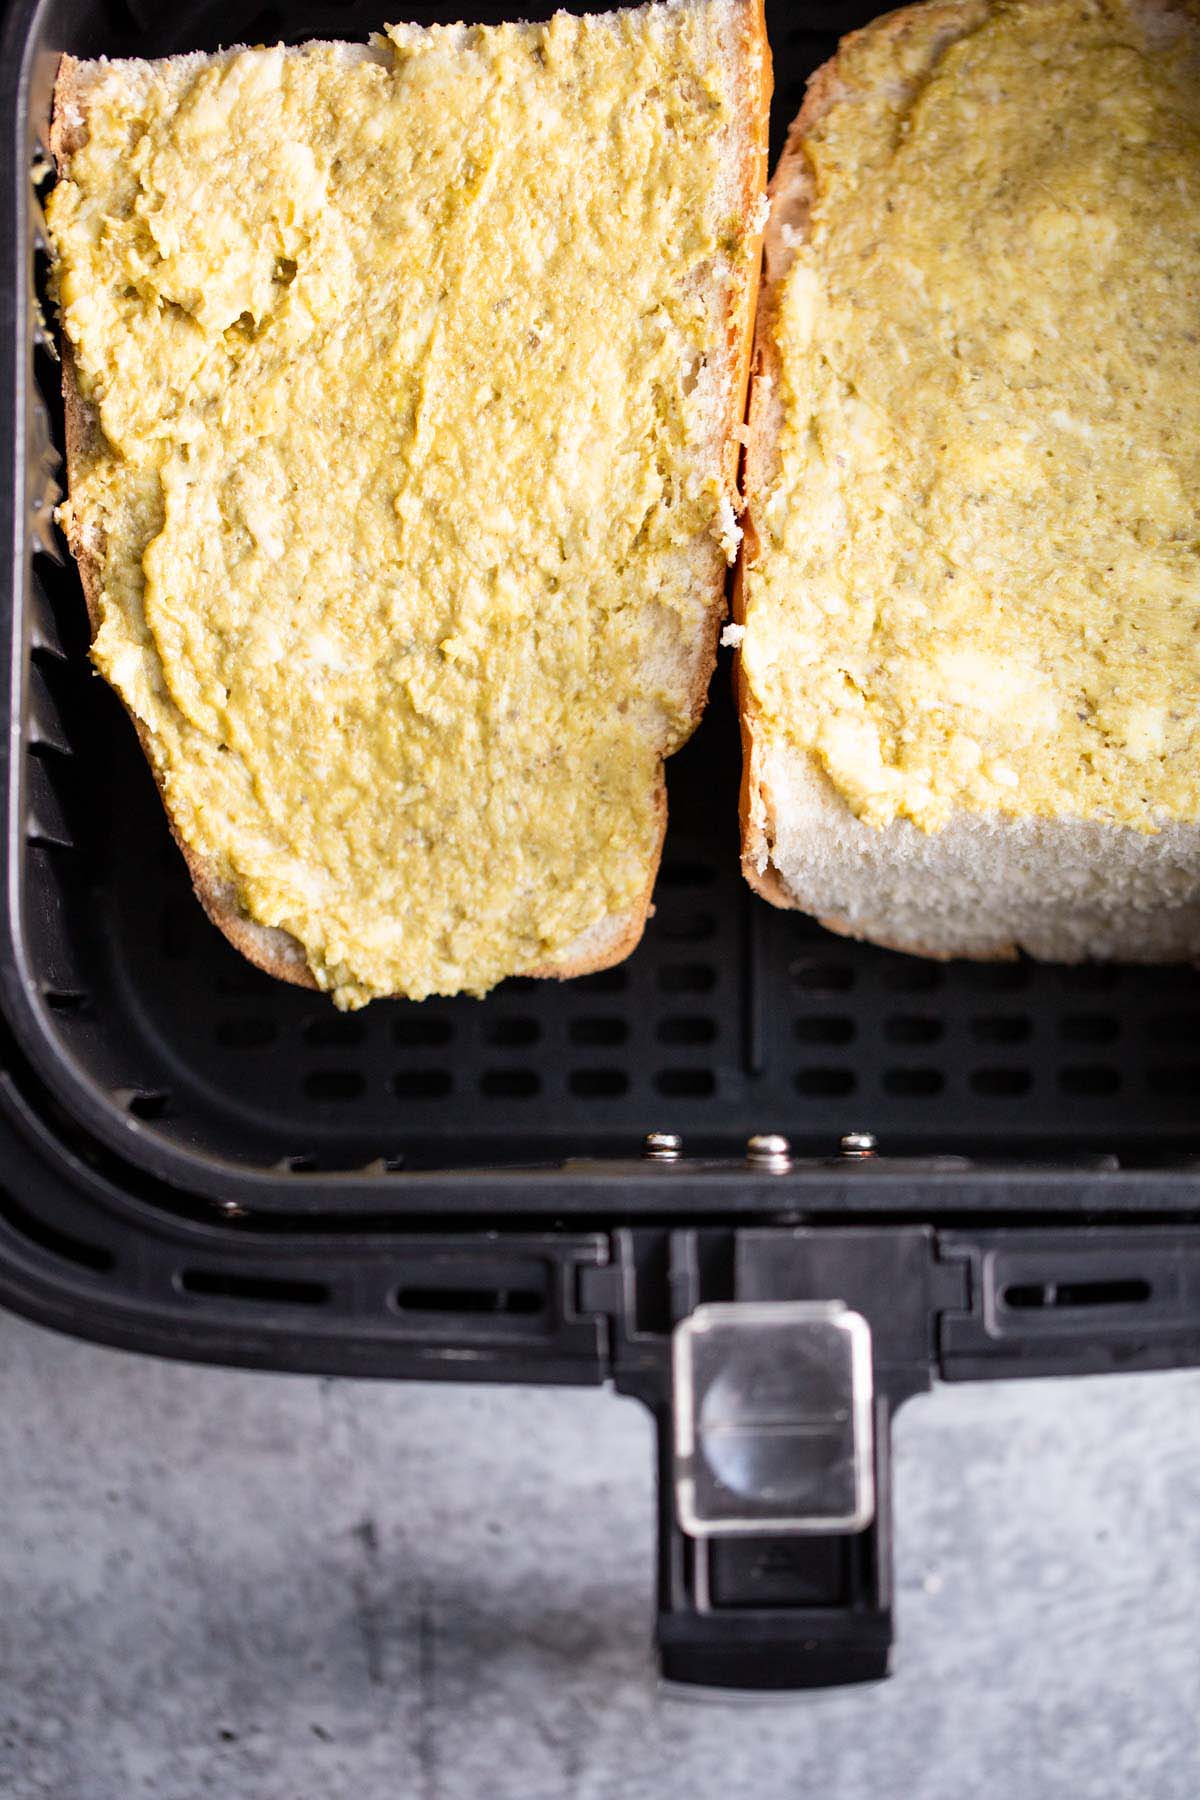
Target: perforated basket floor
(731,1018)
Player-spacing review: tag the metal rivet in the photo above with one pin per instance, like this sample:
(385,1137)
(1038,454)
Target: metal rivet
(769,1150)
(858,1144)
(231,1209)
(662,1146)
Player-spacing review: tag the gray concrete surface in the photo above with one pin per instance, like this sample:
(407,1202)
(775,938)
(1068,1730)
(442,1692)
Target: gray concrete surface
(270,1588)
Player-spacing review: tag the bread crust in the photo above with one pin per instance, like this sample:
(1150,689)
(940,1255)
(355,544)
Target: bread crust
(792,193)
(612,939)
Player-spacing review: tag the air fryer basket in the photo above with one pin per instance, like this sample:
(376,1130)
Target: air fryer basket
(199,1161)
(731,1018)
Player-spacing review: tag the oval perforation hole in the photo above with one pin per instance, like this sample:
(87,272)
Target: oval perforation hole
(604,1032)
(822,977)
(333,1031)
(602,981)
(1001,1084)
(510,1084)
(421,1084)
(275,1290)
(685,1084)
(996,977)
(687,978)
(912,1028)
(598,1084)
(1027,1296)
(422,1030)
(822,1029)
(1091,1081)
(1001,1028)
(245,1034)
(913,1084)
(687,927)
(517,1302)
(511,1034)
(820,1083)
(694,1029)
(337,1085)
(905,975)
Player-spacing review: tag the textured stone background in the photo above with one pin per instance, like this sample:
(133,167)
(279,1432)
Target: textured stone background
(273,1588)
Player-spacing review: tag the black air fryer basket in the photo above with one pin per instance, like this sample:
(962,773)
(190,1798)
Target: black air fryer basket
(768,1180)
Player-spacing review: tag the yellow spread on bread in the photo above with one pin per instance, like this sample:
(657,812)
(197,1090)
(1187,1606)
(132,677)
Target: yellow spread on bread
(977,577)
(395,492)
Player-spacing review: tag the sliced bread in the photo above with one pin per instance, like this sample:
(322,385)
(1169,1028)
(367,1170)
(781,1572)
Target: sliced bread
(402,388)
(968,602)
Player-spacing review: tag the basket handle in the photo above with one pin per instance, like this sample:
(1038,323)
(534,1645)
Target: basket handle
(774,1611)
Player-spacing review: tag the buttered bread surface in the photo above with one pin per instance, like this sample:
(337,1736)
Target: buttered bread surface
(403,491)
(976,583)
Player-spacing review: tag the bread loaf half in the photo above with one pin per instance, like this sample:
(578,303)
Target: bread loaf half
(402,385)
(968,602)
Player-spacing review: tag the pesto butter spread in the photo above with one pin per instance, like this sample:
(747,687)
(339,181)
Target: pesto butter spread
(978,577)
(407,507)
